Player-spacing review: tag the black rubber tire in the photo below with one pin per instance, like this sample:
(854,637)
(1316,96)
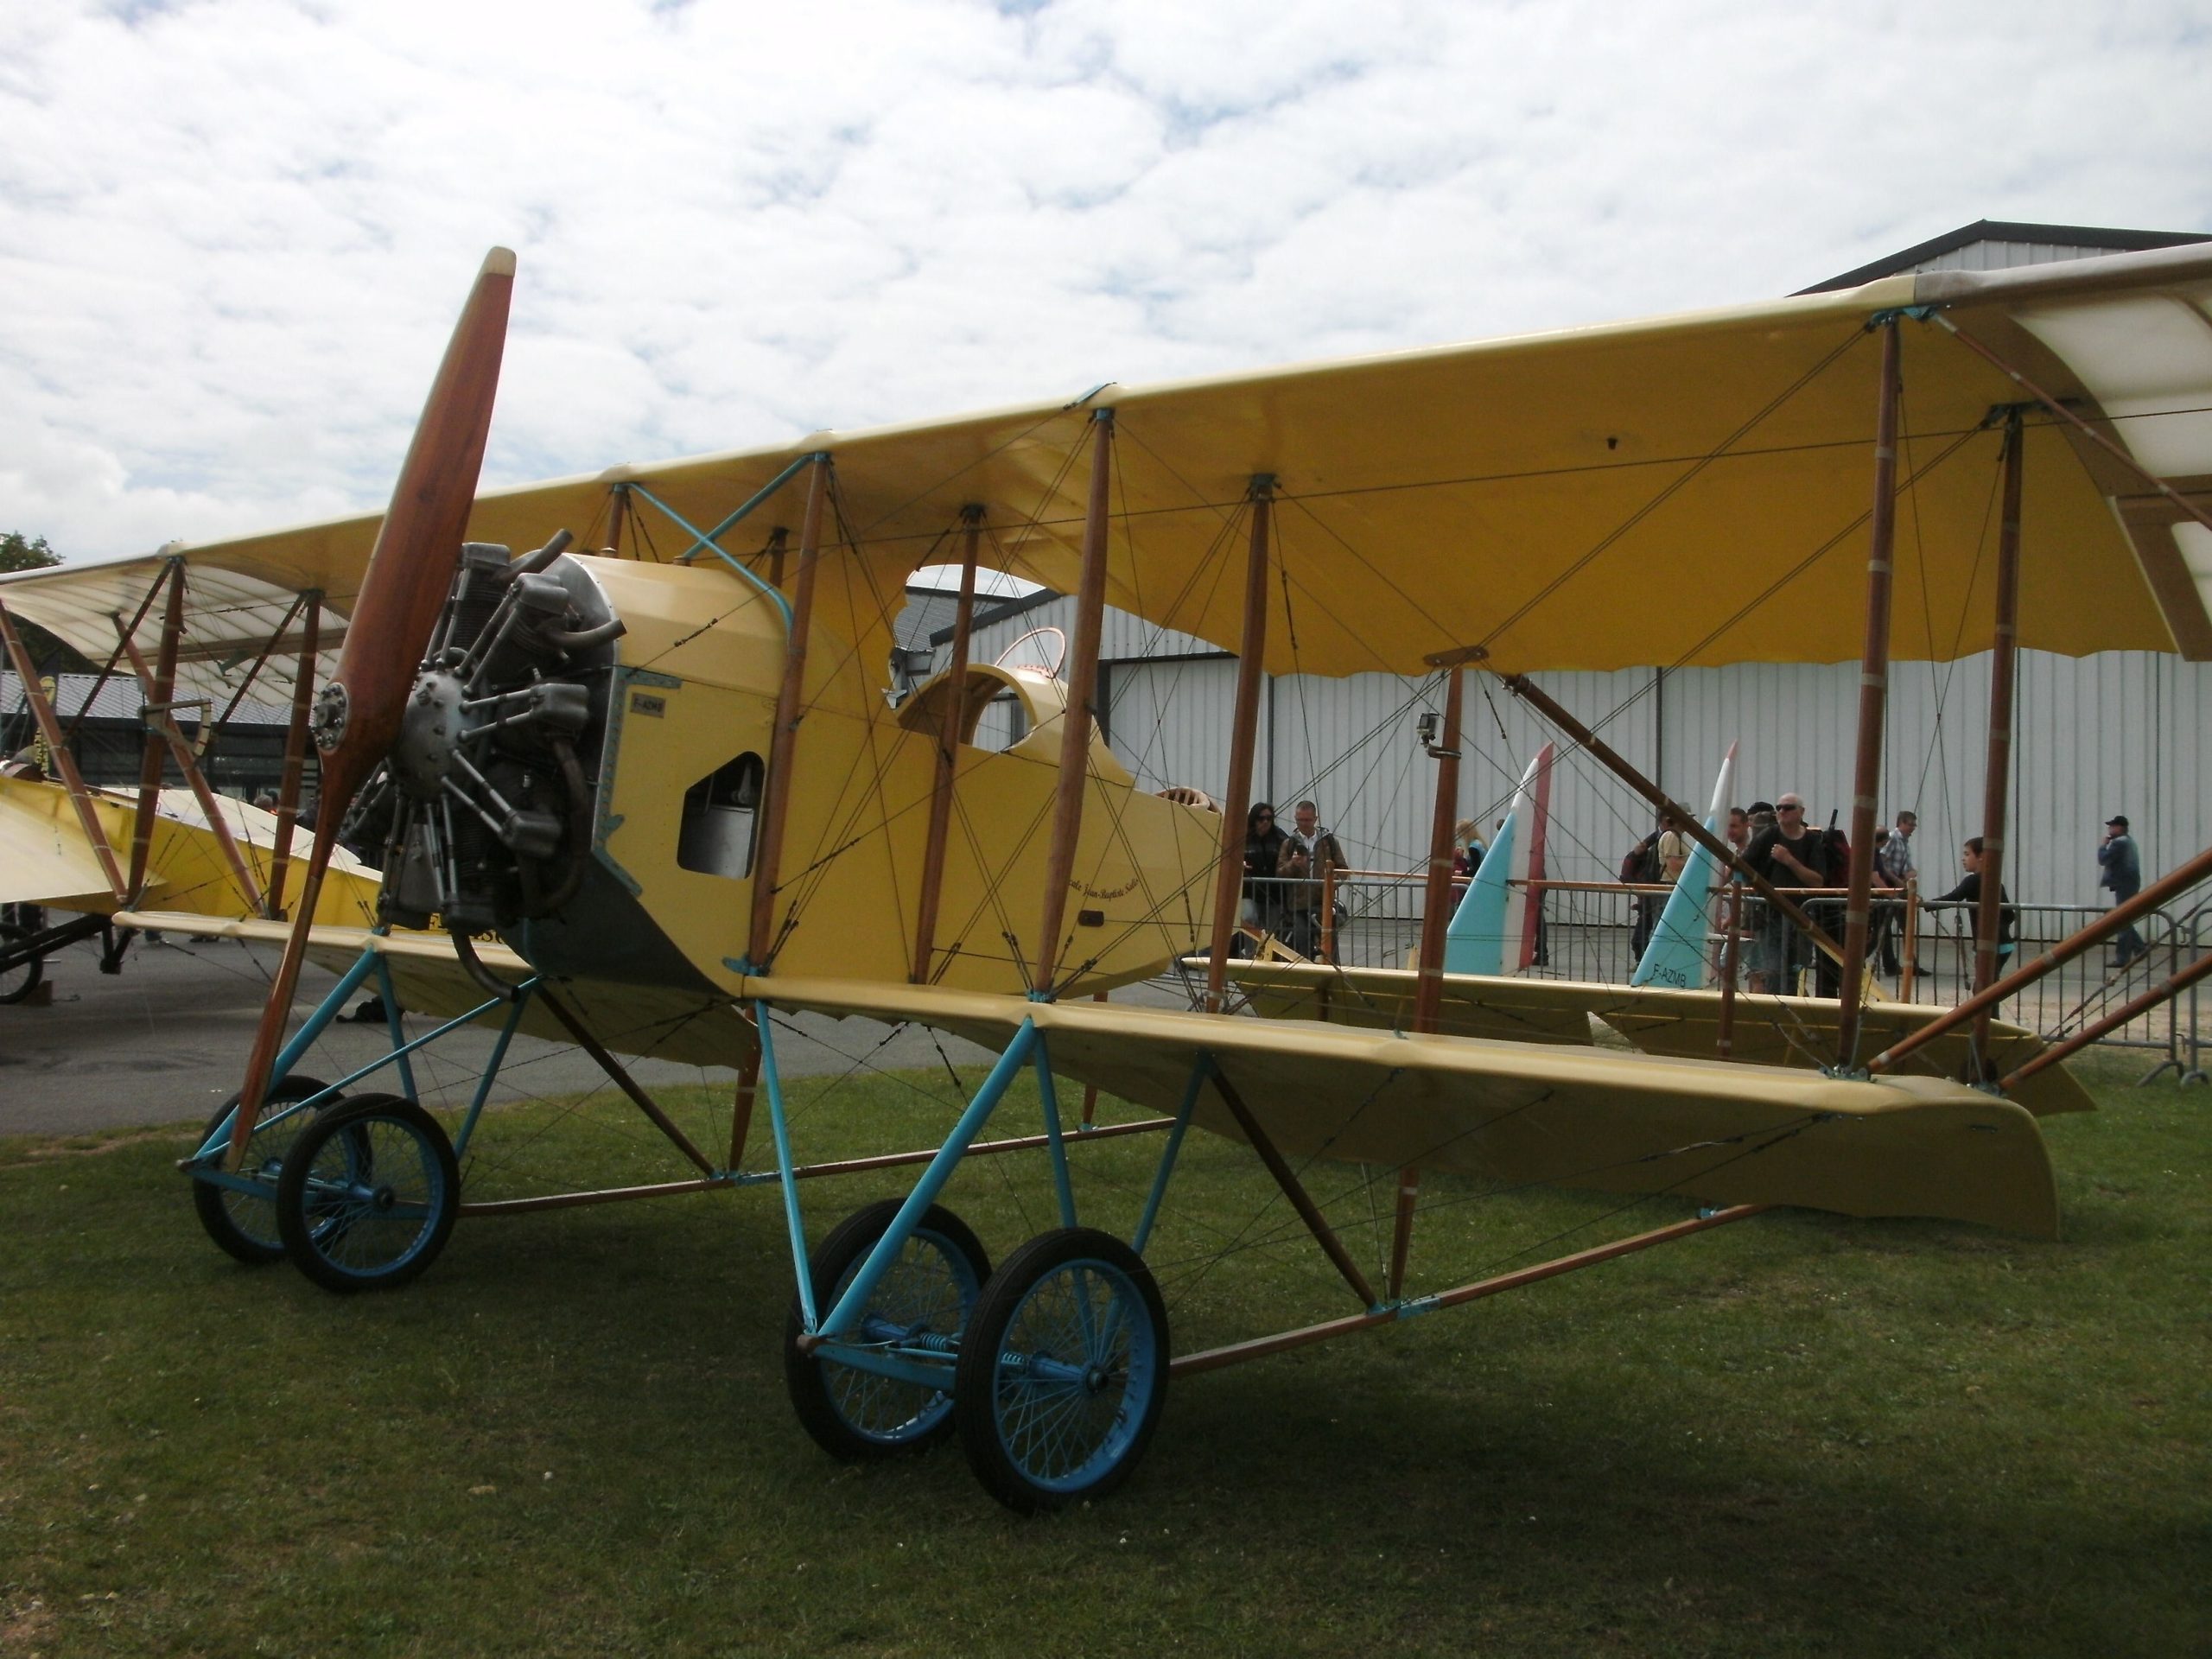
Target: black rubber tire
(855,1416)
(19,982)
(243,1227)
(1041,1442)
(368,1197)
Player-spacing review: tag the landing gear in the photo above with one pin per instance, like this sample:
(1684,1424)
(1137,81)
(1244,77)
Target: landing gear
(368,1194)
(243,1224)
(1063,1370)
(922,1302)
(20,977)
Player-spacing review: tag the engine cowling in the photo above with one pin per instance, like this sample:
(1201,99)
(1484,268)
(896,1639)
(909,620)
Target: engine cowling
(484,806)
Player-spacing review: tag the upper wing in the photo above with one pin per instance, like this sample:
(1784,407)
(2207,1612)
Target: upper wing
(1514,494)
(238,610)
(1722,1133)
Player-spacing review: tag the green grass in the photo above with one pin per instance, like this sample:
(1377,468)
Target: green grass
(1795,1435)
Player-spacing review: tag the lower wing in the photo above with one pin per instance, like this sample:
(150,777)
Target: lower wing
(1720,1133)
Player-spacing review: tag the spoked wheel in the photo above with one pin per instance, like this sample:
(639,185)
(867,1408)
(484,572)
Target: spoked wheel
(922,1301)
(244,1223)
(368,1195)
(1063,1370)
(19,981)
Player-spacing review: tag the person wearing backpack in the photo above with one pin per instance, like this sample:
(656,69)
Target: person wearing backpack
(1788,856)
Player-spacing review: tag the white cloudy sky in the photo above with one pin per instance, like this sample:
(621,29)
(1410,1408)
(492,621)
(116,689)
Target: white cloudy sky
(234,232)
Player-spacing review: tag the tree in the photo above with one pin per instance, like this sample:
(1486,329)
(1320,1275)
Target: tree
(20,552)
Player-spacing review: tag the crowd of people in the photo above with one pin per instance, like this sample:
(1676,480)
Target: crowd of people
(1287,889)
(1776,840)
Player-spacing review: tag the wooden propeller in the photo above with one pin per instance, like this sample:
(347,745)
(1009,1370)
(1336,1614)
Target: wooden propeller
(410,570)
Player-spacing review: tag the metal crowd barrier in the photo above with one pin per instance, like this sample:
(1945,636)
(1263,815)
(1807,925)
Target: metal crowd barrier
(1588,928)
(1292,910)
(2078,991)
(2186,1011)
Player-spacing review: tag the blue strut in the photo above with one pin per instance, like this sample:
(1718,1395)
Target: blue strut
(845,1317)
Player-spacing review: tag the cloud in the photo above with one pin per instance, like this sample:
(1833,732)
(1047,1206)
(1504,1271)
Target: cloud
(233,236)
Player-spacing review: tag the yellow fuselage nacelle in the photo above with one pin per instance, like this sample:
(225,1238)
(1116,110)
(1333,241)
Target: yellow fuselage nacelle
(690,723)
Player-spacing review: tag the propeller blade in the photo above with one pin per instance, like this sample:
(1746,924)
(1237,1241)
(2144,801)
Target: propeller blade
(410,570)
(417,547)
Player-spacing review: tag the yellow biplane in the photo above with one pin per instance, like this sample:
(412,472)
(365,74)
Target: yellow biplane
(94,852)
(666,776)
(209,856)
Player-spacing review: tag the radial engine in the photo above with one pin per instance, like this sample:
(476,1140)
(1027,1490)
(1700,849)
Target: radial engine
(485,807)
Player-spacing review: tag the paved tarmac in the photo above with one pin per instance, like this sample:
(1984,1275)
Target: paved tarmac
(165,1040)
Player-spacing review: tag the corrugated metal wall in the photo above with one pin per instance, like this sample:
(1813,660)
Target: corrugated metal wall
(2004,256)
(2123,732)
(2119,732)
(1594,816)
(1169,721)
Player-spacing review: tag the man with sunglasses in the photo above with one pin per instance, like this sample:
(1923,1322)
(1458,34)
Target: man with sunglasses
(1790,855)
(1308,853)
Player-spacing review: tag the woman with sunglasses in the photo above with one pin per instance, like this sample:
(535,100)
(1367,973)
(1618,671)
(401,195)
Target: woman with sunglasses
(1263,845)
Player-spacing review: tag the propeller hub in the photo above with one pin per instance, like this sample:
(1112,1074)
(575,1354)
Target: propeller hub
(431,728)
